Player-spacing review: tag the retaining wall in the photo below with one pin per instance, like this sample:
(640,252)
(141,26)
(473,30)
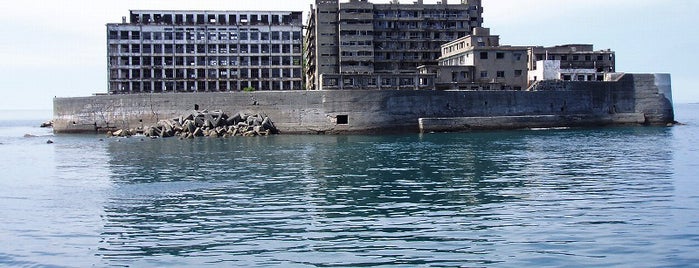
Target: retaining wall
(361,111)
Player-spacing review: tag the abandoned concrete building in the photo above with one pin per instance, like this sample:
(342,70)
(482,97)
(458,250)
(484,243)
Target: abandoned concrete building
(479,62)
(357,44)
(349,44)
(570,62)
(188,51)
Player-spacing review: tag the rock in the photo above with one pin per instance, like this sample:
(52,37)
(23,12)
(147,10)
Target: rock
(198,132)
(49,142)
(234,120)
(198,121)
(150,132)
(189,126)
(208,123)
(267,123)
(118,133)
(47,124)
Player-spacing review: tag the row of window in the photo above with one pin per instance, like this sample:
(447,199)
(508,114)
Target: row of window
(428,25)
(223,19)
(427,36)
(205,49)
(501,74)
(586,57)
(500,55)
(202,35)
(206,61)
(357,53)
(170,74)
(405,81)
(450,13)
(191,86)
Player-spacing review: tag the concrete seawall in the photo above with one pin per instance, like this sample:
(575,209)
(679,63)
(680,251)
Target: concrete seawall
(646,96)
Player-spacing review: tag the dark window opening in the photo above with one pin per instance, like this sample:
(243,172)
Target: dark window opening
(196,107)
(343,119)
(484,55)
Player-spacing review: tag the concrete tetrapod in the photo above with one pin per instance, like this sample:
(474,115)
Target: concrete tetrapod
(205,124)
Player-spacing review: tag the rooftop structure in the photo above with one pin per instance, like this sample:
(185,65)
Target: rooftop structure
(188,51)
(577,62)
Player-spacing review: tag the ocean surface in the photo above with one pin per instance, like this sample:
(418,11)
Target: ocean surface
(621,196)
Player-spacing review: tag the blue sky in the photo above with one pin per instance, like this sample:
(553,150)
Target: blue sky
(57,48)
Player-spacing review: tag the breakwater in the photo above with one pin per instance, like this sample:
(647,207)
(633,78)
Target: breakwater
(210,124)
(646,96)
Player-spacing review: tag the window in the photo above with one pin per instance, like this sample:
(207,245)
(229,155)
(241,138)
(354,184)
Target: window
(484,74)
(576,57)
(518,73)
(600,57)
(588,57)
(501,74)
(343,119)
(517,56)
(484,55)
(499,55)
(564,57)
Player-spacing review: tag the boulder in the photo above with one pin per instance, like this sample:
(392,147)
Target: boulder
(198,132)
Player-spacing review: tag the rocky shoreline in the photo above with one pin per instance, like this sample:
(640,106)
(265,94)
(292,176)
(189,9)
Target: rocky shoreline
(205,124)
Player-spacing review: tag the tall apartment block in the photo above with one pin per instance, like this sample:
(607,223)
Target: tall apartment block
(355,38)
(190,51)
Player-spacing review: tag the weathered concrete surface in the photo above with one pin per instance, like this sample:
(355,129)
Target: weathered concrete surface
(521,122)
(375,110)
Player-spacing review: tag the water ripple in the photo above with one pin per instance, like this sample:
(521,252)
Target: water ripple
(567,197)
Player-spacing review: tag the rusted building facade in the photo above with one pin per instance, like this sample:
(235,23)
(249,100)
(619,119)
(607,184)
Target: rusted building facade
(356,43)
(190,51)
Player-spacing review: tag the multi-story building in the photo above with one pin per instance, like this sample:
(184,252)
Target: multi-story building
(570,62)
(479,62)
(188,51)
(353,42)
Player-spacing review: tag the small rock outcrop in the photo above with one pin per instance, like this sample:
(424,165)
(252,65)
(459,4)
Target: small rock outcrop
(205,124)
(47,124)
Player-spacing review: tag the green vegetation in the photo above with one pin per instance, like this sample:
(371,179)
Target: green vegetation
(249,89)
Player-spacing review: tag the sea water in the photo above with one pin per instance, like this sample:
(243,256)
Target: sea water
(620,196)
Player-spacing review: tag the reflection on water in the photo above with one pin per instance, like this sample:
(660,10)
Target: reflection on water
(516,198)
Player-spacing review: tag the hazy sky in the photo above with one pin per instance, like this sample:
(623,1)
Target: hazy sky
(58,48)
